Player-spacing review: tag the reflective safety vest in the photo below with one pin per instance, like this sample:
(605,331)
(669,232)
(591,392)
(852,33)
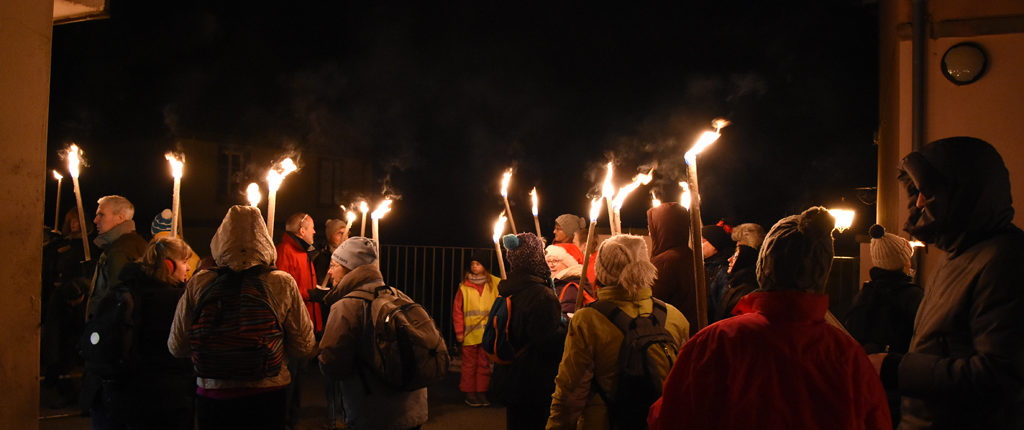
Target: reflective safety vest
(475,308)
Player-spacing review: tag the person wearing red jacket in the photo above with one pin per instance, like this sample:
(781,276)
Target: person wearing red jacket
(777,364)
(293,257)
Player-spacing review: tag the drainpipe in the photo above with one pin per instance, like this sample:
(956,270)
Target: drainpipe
(920,9)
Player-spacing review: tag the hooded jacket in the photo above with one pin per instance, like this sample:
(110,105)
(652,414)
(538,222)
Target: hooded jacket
(242,242)
(669,224)
(777,365)
(369,404)
(592,355)
(965,368)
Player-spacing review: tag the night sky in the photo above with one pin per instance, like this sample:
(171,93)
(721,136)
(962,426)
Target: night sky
(444,97)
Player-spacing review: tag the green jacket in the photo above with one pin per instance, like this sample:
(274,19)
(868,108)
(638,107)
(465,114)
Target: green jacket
(592,352)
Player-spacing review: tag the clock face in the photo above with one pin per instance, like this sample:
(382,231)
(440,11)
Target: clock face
(964,63)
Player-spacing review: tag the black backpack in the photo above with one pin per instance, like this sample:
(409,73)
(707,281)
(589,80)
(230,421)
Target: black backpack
(647,353)
(107,343)
(407,351)
(235,332)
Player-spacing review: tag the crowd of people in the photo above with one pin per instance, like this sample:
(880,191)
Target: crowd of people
(168,341)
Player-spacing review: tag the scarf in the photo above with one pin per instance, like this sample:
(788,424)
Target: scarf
(104,240)
(480,279)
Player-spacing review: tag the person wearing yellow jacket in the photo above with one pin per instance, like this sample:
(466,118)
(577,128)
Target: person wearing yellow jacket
(624,277)
(473,301)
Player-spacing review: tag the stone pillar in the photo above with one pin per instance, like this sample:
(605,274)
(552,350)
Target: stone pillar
(26,29)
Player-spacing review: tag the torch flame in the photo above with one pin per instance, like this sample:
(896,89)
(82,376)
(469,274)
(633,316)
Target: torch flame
(686,198)
(74,160)
(499,227)
(533,197)
(177,164)
(278,172)
(916,244)
(505,178)
(57,176)
(253,193)
(639,180)
(844,218)
(654,200)
(703,142)
(350,217)
(595,209)
(382,209)
(363,207)
(608,190)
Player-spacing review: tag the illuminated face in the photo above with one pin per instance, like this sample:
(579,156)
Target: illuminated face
(336,272)
(181,270)
(106,219)
(556,265)
(476,268)
(560,235)
(706,248)
(306,229)
(335,239)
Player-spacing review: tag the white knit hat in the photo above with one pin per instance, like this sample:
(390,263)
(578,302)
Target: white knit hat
(558,253)
(889,251)
(623,260)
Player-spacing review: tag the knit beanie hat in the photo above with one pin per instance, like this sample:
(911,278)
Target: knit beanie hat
(571,224)
(525,254)
(719,238)
(161,222)
(888,250)
(478,256)
(748,234)
(559,254)
(355,252)
(797,253)
(623,260)
(332,226)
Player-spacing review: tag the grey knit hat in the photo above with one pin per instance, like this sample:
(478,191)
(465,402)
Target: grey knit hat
(355,252)
(623,260)
(571,224)
(748,234)
(888,250)
(797,253)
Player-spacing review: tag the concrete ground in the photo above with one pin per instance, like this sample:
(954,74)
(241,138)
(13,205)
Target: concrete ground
(447,409)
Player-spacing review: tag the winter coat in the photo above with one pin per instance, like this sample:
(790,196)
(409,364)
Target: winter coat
(716,273)
(777,365)
(470,309)
(882,315)
(534,324)
(741,282)
(669,224)
(368,402)
(882,318)
(121,245)
(240,243)
(293,257)
(592,354)
(965,368)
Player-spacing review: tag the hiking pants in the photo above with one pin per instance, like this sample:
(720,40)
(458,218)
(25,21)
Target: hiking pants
(476,370)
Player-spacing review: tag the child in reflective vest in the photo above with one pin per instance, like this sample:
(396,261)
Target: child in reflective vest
(473,301)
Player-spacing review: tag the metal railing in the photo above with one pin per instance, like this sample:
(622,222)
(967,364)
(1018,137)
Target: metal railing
(430,275)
